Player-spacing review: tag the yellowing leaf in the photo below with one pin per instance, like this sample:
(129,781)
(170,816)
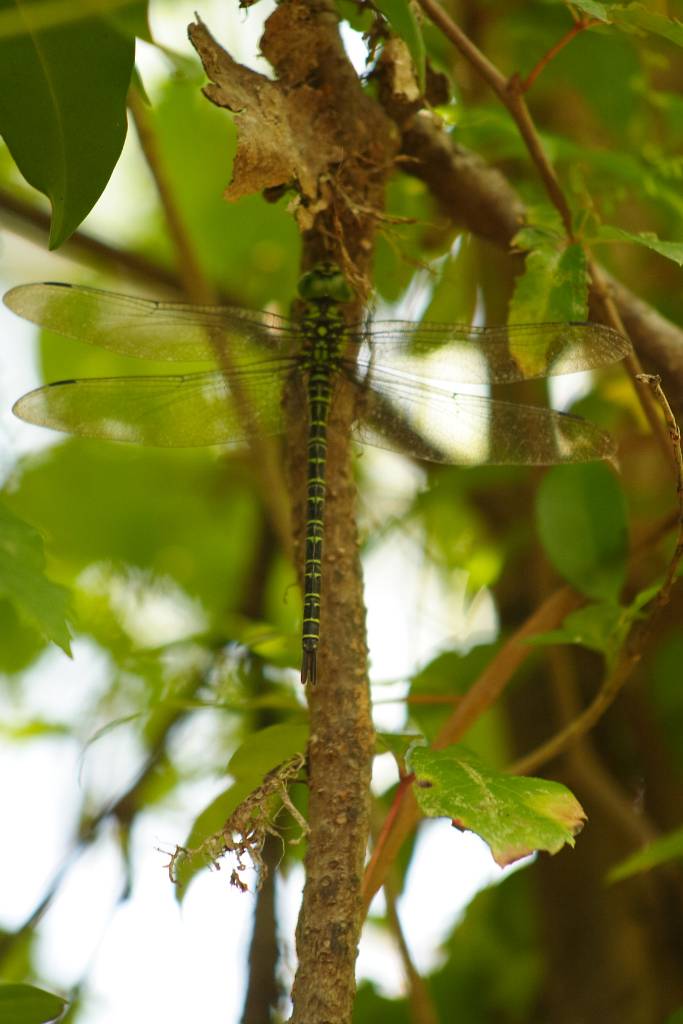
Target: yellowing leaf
(514,815)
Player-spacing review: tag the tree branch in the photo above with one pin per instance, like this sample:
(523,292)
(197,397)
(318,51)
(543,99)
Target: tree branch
(422,1008)
(511,94)
(32,223)
(195,283)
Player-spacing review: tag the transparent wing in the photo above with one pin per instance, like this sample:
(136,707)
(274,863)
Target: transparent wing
(166,412)
(460,429)
(149,329)
(480,355)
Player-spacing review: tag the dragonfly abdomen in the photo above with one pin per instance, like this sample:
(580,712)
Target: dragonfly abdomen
(319,392)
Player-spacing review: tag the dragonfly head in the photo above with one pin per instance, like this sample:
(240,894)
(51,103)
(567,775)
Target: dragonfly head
(325,281)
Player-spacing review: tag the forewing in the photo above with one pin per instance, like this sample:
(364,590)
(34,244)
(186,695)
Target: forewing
(166,412)
(483,355)
(149,329)
(439,426)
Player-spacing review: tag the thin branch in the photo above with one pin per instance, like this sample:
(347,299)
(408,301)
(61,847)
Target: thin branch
(579,26)
(584,722)
(638,637)
(631,361)
(201,291)
(404,814)
(477,196)
(195,282)
(653,381)
(511,93)
(490,685)
(32,223)
(483,694)
(123,810)
(422,1008)
(263,990)
(583,764)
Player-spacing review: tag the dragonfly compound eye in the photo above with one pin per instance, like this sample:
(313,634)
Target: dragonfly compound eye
(325,281)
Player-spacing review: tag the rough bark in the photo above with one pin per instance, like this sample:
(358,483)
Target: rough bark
(339,216)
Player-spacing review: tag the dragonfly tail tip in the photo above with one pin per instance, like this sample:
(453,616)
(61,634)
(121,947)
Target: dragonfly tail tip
(309,668)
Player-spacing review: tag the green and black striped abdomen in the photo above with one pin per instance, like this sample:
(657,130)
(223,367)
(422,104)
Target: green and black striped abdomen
(324,291)
(319,391)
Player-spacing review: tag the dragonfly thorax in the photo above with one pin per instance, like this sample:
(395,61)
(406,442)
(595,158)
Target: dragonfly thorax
(322,330)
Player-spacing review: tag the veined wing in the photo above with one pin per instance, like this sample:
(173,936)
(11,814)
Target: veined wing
(439,426)
(149,329)
(494,355)
(174,411)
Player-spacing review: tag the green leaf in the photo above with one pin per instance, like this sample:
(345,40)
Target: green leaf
(132,19)
(671,250)
(266,749)
(401,17)
(638,16)
(41,603)
(396,743)
(601,627)
(513,814)
(659,851)
(21,644)
(592,8)
(553,287)
(361,19)
(24,1004)
(162,512)
(634,16)
(676,1017)
(63,107)
(581,519)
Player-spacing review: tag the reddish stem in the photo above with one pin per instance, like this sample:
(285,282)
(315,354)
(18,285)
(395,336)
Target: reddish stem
(580,26)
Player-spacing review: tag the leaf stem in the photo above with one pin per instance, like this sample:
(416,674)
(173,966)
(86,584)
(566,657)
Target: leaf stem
(579,26)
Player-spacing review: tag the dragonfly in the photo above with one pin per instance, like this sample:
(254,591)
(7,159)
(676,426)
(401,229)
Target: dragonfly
(404,373)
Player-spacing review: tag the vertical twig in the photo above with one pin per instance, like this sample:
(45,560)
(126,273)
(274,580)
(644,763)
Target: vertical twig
(422,1008)
(195,282)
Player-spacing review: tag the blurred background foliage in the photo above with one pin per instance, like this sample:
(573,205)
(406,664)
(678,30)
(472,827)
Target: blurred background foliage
(181,597)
